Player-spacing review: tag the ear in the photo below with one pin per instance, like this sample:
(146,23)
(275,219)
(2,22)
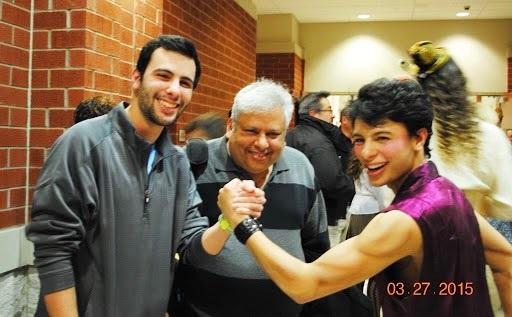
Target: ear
(421,138)
(313,113)
(229,128)
(136,79)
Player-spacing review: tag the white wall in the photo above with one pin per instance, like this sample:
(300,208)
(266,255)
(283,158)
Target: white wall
(342,57)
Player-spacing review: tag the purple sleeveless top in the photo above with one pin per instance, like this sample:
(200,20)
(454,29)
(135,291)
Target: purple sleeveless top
(452,280)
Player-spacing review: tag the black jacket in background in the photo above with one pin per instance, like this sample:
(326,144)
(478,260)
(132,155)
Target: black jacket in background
(328,151)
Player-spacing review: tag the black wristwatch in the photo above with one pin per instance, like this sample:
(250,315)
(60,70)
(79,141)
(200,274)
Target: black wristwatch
(246,228)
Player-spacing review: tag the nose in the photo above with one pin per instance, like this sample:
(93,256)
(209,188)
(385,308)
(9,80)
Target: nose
(173,88)
(261,142)
(368,151)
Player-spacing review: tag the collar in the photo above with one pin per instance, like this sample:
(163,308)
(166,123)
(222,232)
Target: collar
(124,127)
(418,178)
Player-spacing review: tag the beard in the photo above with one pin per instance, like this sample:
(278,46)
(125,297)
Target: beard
(147,107)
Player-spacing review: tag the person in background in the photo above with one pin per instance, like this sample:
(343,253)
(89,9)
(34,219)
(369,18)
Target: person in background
(322,143)
(207,126)
(92,107)
(468,151)
(116,200)
(427,239)
(509,134)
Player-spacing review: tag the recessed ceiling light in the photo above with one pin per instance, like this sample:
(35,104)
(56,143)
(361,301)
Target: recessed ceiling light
(462,14)
(363,16)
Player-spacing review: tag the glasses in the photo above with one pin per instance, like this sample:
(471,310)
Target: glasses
(324,110)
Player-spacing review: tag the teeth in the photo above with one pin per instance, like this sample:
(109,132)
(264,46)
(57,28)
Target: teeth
(374,167)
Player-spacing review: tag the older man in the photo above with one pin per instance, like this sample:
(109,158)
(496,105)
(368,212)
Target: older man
(294,214)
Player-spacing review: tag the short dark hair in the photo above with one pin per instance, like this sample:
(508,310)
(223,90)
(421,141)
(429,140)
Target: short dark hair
(173,43)
(310,101)
(402,101)
(212,123)
(92,107)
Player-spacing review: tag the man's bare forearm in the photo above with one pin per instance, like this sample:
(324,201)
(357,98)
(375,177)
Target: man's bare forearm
(62,303)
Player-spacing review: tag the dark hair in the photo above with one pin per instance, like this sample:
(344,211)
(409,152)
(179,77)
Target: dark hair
(402,101)
(92,107)
(212,123)
(173,43)
(311,101)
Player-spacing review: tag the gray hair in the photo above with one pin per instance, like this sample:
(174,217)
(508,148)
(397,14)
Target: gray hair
(263,95)
(311,102)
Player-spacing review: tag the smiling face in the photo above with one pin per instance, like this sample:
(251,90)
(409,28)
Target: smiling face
(256,140)
(165,89)
(388,151)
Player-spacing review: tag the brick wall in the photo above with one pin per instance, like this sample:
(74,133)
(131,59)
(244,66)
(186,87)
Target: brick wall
(287,68)
(225,36)
(14,92)
(84,48)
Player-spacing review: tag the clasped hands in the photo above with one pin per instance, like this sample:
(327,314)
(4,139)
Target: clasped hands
(239,199)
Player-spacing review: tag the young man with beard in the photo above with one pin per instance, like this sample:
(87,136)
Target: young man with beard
(428,247)
(116,200)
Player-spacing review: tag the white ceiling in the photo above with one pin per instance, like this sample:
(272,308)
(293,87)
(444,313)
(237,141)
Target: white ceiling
(309,11)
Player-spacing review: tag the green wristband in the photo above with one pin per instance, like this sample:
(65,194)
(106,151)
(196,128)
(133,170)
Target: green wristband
(224,224)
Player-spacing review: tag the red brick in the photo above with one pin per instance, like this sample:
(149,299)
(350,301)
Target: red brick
(6,32)
(3,199)
(69,4)
(126,18)
(40,78)
(15,15)
(18,117)
(108,9)
(61,118)
(104,82)
(36,157)
(19,77)
(98,62)
(4,116)
(23,3)
(13,56)
(49,59)
(13,96)
(66,78)
(12,137)
(40,39)
(78,19)
(12,177)
(68,39)
(33,176)
(50,20)
(17,157)
(47,98)
(5,75)
(38,118)
(99,24)
(11,218)
(44,137)
(3,158)
(21,38)
(41,4)
(77,95)
(77,58)
(17,197)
